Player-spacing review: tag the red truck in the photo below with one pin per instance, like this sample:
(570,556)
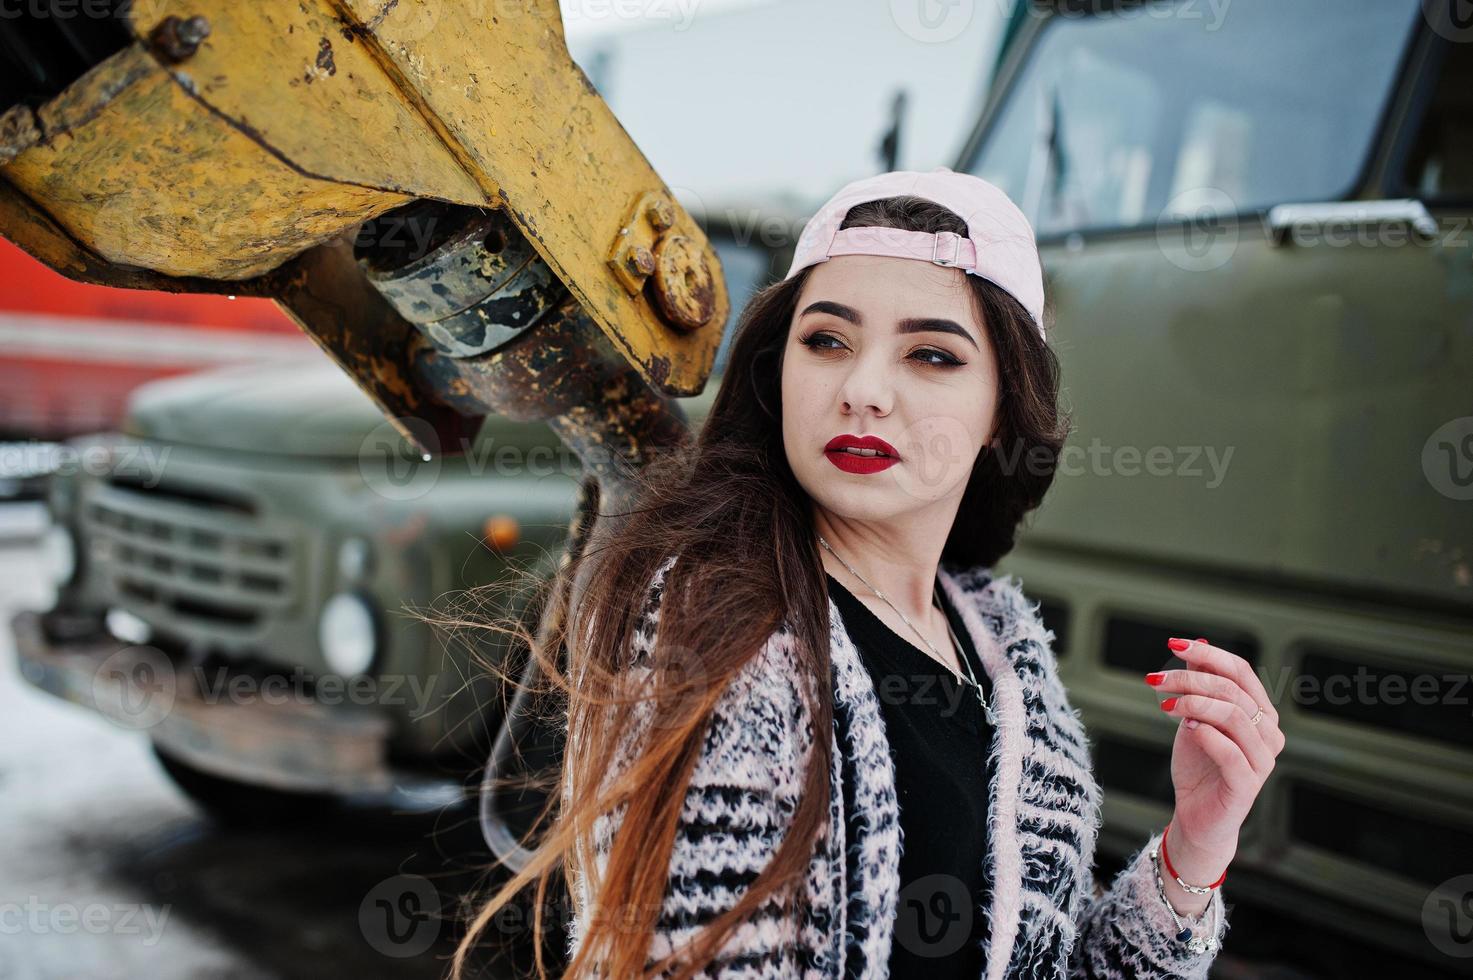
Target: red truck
(70,352)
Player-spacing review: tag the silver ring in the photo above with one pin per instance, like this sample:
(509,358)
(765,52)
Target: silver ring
(1256,717)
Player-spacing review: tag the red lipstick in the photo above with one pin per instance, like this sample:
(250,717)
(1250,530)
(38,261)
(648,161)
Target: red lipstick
(882,457)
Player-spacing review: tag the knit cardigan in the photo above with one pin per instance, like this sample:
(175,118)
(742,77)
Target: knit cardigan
(1044,917)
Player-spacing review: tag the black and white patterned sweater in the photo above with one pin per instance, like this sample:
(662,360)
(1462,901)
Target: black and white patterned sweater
(1044,919)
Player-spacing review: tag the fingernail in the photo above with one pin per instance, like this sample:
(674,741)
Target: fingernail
(1201,639)
(1178,644)
(1155,678)
(1191,723)
(1168,704)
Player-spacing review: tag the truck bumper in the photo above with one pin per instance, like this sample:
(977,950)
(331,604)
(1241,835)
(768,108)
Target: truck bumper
(283,742)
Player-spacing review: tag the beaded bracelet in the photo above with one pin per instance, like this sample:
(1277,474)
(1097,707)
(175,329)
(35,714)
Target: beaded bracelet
(1184,934)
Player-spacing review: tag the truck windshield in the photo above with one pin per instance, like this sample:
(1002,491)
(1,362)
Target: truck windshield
(1118,120)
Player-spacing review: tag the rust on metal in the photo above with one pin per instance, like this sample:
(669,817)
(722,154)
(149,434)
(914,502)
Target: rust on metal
(660,214)
(324,292)
(466,277)
(324,65)
(329,750)
(638,261)
(683,284)
(649,251)
(177,39)
(564,371)
(19,130)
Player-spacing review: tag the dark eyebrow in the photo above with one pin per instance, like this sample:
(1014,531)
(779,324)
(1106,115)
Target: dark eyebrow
(910,325)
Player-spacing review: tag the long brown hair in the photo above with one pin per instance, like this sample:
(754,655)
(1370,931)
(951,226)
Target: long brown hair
(729,506)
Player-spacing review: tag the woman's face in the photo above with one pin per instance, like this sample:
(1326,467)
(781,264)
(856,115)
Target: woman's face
(892,348)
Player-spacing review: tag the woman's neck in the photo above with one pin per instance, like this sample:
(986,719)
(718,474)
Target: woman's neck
(905,575)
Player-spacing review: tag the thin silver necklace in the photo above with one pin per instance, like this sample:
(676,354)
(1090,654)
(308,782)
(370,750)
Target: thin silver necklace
(961,653)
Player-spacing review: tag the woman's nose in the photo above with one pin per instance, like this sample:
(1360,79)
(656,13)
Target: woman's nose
(868,388)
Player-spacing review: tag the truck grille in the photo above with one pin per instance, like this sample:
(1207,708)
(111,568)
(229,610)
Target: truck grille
(183,557)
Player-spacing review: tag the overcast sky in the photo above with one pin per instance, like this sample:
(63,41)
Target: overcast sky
(739,99)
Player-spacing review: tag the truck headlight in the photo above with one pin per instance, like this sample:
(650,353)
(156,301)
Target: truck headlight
(347,633)
(59,554)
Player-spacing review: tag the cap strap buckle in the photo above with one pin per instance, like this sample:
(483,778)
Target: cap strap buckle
(956,248)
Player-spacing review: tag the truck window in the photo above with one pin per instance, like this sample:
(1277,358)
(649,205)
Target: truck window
(1439,167)
(1118,119)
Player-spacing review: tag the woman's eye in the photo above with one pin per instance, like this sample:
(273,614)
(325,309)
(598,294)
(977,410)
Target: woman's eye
(943,359)
(817,339)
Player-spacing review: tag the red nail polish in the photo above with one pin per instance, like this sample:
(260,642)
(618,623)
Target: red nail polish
(1168,704)
(1201,639)
(1177,643)
(1155,678)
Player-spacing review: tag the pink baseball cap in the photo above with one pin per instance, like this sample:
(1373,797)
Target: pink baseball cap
(999,245)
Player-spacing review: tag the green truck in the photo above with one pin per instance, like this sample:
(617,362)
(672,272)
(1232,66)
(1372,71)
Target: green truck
(260,537)
(1255,224)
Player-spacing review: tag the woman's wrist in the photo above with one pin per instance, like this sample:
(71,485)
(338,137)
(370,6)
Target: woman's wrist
(1196,930)
(1195,863)
(1182,860)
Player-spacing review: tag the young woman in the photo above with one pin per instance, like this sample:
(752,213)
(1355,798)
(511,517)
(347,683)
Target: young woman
(810,732)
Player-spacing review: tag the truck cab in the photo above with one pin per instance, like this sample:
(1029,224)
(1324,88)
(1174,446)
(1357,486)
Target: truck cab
(1255,226)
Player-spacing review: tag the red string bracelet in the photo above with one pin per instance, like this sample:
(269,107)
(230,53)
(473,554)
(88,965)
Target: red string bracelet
(1199,889)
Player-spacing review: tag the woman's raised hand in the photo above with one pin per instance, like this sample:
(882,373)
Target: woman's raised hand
(1220,758)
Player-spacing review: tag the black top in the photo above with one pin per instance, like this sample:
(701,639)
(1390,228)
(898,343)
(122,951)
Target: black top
(939,739)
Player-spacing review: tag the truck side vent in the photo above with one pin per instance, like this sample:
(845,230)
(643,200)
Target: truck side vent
(1055,613)
(1133,768)
(1400,842)
(217,612)
(213,498)
(1426,702)
(191,607)
(1139,646)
